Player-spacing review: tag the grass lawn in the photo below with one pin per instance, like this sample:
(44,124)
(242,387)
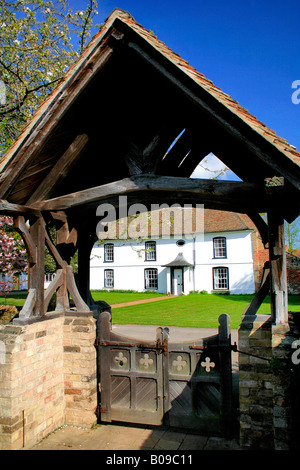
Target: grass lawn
(16,298)
(194,310)
(118,297)
(197,311)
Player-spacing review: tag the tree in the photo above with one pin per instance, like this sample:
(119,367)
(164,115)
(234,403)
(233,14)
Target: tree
(35,52)
(13,258)
(12,250)
(36,49)
(292,235)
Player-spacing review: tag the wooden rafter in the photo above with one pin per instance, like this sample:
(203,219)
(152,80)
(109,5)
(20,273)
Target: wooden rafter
(52,114)
(60,169)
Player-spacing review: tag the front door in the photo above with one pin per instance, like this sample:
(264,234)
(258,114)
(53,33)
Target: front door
(178,281)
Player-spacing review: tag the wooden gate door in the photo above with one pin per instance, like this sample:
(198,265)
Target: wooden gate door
(131,376)
(198,385)
(187,385)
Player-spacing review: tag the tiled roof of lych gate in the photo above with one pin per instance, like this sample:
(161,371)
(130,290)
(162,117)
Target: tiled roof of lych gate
(41,115)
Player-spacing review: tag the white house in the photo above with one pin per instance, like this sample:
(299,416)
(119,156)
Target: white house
(219,257)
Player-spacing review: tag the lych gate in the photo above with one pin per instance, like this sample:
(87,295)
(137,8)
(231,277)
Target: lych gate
(105,132)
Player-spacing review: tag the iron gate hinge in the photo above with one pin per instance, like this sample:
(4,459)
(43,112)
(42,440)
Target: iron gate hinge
(230,347)
(235,349)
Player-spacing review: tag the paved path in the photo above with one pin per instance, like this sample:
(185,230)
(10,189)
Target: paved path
(142,301)
(115,437)
(177,334)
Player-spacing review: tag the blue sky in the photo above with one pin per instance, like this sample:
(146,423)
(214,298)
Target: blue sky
(249,48)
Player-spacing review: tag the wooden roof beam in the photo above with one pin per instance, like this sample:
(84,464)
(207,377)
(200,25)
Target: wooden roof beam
(7,208)
(237,196)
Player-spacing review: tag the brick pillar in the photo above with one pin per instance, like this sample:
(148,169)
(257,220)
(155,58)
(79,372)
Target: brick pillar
(31,382)
(255,383)
(80,370)
(47,377)
(286,382)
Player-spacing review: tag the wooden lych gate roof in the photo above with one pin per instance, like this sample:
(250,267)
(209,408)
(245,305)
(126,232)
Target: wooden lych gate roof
(107,129)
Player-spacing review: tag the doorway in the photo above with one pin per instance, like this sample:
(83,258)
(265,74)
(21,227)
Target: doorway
(177,281)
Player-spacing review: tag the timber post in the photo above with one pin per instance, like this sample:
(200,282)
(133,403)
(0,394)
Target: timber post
(86,240)
(34,239)
(277,255)
(278,273)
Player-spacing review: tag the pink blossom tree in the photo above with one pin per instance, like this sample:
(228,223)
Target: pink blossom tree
(13,259)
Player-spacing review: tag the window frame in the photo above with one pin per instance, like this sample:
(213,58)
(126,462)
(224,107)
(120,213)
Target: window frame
(149,252)
(226,269)
(146,278)
(215,248)
(106,247)
(106,279)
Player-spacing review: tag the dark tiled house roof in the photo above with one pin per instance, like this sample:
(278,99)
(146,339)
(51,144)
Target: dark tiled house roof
(180,221)
(220,221)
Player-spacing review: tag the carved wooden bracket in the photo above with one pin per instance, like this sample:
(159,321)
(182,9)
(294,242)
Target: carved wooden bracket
(64,282)
(23,230)
(35,237)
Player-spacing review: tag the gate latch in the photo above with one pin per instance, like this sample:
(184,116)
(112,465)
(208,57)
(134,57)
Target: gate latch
(162,346)
(159,346)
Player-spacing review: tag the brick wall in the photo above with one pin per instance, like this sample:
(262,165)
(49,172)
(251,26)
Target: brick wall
(255,383)
(47,378)
(260,256)
(293,273)
(286,384)
(269,390)
(80,379)
(31,387)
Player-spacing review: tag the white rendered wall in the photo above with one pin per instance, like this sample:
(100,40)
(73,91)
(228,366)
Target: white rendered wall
(129,263)
(239,261)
